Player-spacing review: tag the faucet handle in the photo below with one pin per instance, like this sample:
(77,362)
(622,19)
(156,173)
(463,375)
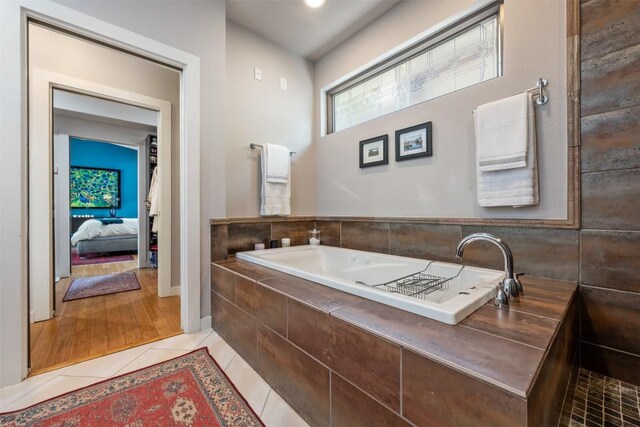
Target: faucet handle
(501,300)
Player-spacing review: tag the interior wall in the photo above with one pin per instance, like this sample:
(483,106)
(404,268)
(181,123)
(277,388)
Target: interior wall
(95,154)
(259,111)
(64,54)
(445,185)
(197,27)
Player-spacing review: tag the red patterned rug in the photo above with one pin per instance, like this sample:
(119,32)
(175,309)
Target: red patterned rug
(87,287)
(190,390)
(98,259)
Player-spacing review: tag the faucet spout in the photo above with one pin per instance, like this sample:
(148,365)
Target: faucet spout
(510,286)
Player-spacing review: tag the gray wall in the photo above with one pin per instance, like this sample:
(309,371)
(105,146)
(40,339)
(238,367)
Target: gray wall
(198,28)
(445,185)
(261,112)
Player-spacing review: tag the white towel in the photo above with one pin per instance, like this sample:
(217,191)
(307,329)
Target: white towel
(513,187)
(501,133)
(278,160)
(275,197)
(154,199)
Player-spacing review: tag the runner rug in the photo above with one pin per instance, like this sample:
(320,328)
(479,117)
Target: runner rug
(97,259)
(190,390)
(87,287)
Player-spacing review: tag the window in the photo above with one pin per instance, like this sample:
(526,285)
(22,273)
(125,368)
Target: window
(461,55)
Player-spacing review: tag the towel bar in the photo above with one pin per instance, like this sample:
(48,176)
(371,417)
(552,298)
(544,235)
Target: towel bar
(254,146)
(541,98)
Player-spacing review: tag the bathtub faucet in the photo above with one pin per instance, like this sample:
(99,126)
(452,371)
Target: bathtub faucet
(510,286)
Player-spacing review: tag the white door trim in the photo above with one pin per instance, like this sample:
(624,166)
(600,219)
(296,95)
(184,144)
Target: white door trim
(13,165)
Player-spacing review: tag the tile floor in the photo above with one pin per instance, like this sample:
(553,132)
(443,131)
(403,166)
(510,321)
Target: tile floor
(604,402)
(271,408)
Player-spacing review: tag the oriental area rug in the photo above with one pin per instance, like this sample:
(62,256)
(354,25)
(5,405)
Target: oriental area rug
(88,287)
(190,390)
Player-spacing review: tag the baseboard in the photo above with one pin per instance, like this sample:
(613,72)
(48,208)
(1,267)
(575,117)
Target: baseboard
(32,316)
(175,290)
(205,323)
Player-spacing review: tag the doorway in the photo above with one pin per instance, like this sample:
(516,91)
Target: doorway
(68,326)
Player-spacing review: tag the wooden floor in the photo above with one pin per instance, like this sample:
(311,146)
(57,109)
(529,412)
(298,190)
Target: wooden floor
(92,327)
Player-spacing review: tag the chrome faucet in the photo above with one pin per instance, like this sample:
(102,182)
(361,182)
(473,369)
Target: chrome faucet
(510,287)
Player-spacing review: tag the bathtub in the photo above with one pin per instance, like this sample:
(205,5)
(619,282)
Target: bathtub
(442,291)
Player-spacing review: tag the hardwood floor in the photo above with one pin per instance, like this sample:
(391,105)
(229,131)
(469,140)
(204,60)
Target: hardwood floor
(92,327)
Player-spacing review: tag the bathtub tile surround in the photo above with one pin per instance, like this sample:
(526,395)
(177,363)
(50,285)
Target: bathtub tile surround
(297,231)
(394,364)
(365,236)
(407,239)
(301,379)
(330,232)
(267,306)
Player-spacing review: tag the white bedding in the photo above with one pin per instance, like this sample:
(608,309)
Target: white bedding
(93,228)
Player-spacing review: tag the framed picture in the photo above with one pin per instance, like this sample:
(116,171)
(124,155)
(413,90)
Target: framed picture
(374,151)
(413,142)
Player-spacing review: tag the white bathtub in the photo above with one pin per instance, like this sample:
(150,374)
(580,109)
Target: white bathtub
(356,272)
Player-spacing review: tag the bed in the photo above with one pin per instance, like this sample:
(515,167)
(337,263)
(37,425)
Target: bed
(95,237)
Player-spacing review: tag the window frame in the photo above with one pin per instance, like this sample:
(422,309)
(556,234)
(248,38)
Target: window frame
(432,38)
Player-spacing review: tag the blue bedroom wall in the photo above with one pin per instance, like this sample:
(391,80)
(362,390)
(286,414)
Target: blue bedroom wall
(96,154)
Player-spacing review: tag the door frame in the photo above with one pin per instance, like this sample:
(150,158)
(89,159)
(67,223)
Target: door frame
(14,232)
(41,224)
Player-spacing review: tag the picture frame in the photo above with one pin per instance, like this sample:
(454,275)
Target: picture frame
(414,142)
(374,151)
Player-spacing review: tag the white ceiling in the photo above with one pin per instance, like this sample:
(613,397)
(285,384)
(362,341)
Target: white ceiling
(307,32)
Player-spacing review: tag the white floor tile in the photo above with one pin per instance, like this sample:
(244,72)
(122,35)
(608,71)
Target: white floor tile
(107,366)
(151,357)
(183,341)
(278,413)
(250,385)
(57,386)
(219,349)
(14,392)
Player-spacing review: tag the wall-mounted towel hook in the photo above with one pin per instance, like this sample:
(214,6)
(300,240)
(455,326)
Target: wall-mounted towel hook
(254,146)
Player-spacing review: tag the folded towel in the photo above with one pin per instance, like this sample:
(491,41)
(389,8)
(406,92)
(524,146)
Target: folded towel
(278,160)
(513,187)
(501,133)
(275,197)
(107,221)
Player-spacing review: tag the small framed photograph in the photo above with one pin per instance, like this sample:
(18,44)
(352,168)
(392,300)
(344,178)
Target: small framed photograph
(413,142)
(374,151)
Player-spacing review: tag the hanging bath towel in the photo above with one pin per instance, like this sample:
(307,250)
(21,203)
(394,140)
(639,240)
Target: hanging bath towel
(276,181)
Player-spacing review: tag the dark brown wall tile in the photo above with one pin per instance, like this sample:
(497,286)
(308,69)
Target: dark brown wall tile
(366,236)
(223,282)
(610,140)
(297,231)
(434,242)
(538,252)
(434,395)
(611,81)
(298,378)
(491,356)
(236,327)
(351,407)
(517,326)
(364,359)
(609,25)
(249,269)
(613,363)
(330,232)
(243,237)
(610,200)
(611,318)
(267,306)
(318,296)
(546,396)
(611,259)
(219,238)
